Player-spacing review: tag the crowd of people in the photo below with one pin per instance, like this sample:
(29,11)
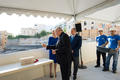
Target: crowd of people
(64,50)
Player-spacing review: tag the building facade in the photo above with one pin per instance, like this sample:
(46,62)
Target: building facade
(3,39)
(28,31)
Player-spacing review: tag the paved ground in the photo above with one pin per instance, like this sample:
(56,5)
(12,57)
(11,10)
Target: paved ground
(92,73)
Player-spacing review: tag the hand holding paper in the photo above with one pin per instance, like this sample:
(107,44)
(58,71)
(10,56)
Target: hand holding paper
(53,52)
(44,45)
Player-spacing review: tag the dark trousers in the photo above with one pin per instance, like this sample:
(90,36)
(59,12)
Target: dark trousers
(99,56)
(75,63)
(65,70)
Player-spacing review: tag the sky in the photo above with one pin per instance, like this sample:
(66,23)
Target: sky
(13,23)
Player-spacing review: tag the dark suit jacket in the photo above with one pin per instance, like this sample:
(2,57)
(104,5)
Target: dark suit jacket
(63,48)
(76,44)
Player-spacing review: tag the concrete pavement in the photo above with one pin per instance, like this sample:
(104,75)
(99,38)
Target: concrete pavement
(92,73)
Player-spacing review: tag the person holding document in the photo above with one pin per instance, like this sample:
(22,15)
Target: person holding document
(63,53)
(101,40)
(52,41)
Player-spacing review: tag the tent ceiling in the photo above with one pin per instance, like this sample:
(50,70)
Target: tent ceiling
(82,5)
(57,6)
(111,14)
(49,7)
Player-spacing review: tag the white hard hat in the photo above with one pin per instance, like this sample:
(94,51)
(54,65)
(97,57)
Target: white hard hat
(112,29)
(100,29)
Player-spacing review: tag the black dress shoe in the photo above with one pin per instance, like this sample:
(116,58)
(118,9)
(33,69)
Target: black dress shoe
(74,77)
(97,66)
(55,75)
(105,69)
(114,71)
(51,76)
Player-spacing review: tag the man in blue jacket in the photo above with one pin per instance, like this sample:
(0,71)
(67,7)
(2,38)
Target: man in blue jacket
(76,42)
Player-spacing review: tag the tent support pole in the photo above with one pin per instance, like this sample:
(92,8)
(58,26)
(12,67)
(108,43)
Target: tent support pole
(80,66)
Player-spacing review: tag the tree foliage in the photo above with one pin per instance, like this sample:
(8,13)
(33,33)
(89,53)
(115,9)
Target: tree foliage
(37,35)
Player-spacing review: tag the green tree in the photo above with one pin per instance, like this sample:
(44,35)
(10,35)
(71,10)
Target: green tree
(43,33)
(10,37)
(23,36)
(37,35)
(64,29)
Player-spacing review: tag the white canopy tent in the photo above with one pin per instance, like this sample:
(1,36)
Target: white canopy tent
(111,14)
(55,8)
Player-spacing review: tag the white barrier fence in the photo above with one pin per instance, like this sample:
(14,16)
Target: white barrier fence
(88,52)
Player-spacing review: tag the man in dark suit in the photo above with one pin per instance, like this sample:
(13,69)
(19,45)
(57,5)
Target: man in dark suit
(76,42)
(63,53)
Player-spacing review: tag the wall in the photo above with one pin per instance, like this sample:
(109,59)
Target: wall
(14,57)
(88,52)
